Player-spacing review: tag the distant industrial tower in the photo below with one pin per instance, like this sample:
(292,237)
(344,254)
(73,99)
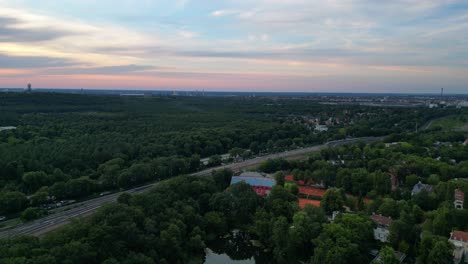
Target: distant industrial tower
(441,93)
(29,88)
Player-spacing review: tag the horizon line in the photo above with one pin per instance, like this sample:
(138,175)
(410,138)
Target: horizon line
(230,91)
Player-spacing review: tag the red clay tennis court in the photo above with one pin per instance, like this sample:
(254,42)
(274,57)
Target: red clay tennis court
(304,202)
(312,191)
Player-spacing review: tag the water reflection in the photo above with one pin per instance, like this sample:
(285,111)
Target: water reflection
(237,249)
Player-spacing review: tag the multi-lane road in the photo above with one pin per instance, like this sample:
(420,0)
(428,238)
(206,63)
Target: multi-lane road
(50,222)
(292,154)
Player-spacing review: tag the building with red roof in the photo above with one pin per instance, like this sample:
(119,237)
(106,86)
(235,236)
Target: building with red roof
(459,199)
(382,231)
(460,241)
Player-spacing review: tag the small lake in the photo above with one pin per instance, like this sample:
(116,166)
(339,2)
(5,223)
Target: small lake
(214,258)
(235,249)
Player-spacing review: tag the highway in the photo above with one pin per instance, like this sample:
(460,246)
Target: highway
(292,154)
(53,221)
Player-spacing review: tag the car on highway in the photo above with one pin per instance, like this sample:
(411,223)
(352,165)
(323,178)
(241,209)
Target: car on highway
(2,217)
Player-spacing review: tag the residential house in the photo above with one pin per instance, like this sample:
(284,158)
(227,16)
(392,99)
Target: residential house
(459,199)
(459,239)
(382,231)
(418,187)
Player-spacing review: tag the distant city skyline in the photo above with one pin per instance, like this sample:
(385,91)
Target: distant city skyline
(401,46)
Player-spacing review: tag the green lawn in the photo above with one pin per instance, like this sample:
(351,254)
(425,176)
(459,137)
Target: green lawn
(451,123)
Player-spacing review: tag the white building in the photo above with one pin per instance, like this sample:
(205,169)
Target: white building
(382,231)
(460,241)
(321,128)
(462,104)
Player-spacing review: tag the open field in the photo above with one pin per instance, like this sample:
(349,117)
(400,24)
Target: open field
(451,123)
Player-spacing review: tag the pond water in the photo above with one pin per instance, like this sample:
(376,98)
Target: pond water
(214,258)
(235,249)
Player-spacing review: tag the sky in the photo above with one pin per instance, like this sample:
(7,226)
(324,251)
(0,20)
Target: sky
(383,46)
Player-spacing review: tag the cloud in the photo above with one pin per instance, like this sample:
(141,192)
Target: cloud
(260,37)
(31,62)
(223,12)
(182,3)
(11,31)
(343,39)
(187,34)
(107,70)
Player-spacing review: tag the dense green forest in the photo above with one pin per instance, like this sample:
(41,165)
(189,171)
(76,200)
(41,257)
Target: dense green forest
(176,220)
(69,146)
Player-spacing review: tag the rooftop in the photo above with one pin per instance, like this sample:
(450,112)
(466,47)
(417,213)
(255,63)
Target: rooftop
(254,181)
(459,195)
(418,187)
(459,236)
(381,220)
(251,174)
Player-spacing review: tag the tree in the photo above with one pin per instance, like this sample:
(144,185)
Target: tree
(360,183)
(109,171)
(387,256)
(333,200)
(411,180)
(346,240)
(12,202)
(124,198)
(441,253)
(59,190)
(335,246)
(281,202)
(222,178)
(40,197)
(215,223)
(194,162)
(35,180)
(31,213)
(389,207)
(263,225)
(440,224)
(280,239)
(279,178)
(305,227)
(215,160)
(238,203)
(294,189)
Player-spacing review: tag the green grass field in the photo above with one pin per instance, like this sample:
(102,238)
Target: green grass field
(452,123)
